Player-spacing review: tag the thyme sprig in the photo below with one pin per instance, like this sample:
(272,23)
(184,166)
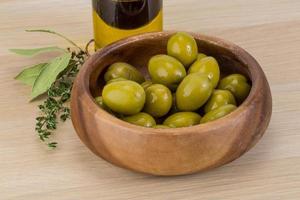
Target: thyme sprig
(62,70)
(56,106)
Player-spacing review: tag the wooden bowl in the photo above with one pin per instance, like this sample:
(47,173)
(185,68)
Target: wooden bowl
(169,151)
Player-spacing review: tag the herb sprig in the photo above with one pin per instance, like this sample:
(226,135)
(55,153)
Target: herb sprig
(55,80)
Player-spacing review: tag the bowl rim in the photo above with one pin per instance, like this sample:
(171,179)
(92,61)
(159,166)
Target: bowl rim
(256,75)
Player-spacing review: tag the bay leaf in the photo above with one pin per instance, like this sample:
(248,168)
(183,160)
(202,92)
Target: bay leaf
(30,74)
(49,74)
(36,51)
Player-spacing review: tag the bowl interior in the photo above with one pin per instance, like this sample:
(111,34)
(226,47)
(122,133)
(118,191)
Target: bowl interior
(138,50)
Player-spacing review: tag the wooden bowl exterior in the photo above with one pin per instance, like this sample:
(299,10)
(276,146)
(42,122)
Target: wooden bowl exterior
(169,151)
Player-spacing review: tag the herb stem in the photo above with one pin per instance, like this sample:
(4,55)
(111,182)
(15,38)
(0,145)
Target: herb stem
(58,34)
(88,45)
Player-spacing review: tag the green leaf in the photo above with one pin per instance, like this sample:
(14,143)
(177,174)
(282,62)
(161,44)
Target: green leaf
(30,74)
(49,74)
(33,52)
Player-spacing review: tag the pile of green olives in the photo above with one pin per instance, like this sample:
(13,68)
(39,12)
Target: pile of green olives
(184,90)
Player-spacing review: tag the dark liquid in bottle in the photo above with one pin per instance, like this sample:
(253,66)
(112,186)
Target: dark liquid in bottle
(127,14)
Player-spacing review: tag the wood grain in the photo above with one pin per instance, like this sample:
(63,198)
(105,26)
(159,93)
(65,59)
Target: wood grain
(268,29)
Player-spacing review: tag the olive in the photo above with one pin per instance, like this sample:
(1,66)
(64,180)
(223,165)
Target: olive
(100,103)
(166,70)
(123,70)
(219,98)
(209,66)
(201,55)
(193,92)
(146,84)
(124,97)
(218,113)
(160,126)
(183,47)
(158,100)
(116,80)
(237,84)
(141,119)
(182,119)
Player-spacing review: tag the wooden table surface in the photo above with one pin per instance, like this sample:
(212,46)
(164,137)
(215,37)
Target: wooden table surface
(268,29)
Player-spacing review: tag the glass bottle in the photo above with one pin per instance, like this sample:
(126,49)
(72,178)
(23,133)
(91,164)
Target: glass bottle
(117,19)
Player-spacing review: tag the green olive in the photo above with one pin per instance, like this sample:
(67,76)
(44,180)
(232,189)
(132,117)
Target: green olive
(124,97)
(158,100)
(219,98)
(160,126)
(182,119)
(183,47)
(146,84)
(209,66)
(201,55)
(141,119)
(116,80)
(123,70)
(166,70)
(237,84)
(100,103)
(218,113)
(193,92)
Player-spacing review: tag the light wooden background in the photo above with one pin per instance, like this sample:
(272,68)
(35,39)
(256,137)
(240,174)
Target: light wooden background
(268,29)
